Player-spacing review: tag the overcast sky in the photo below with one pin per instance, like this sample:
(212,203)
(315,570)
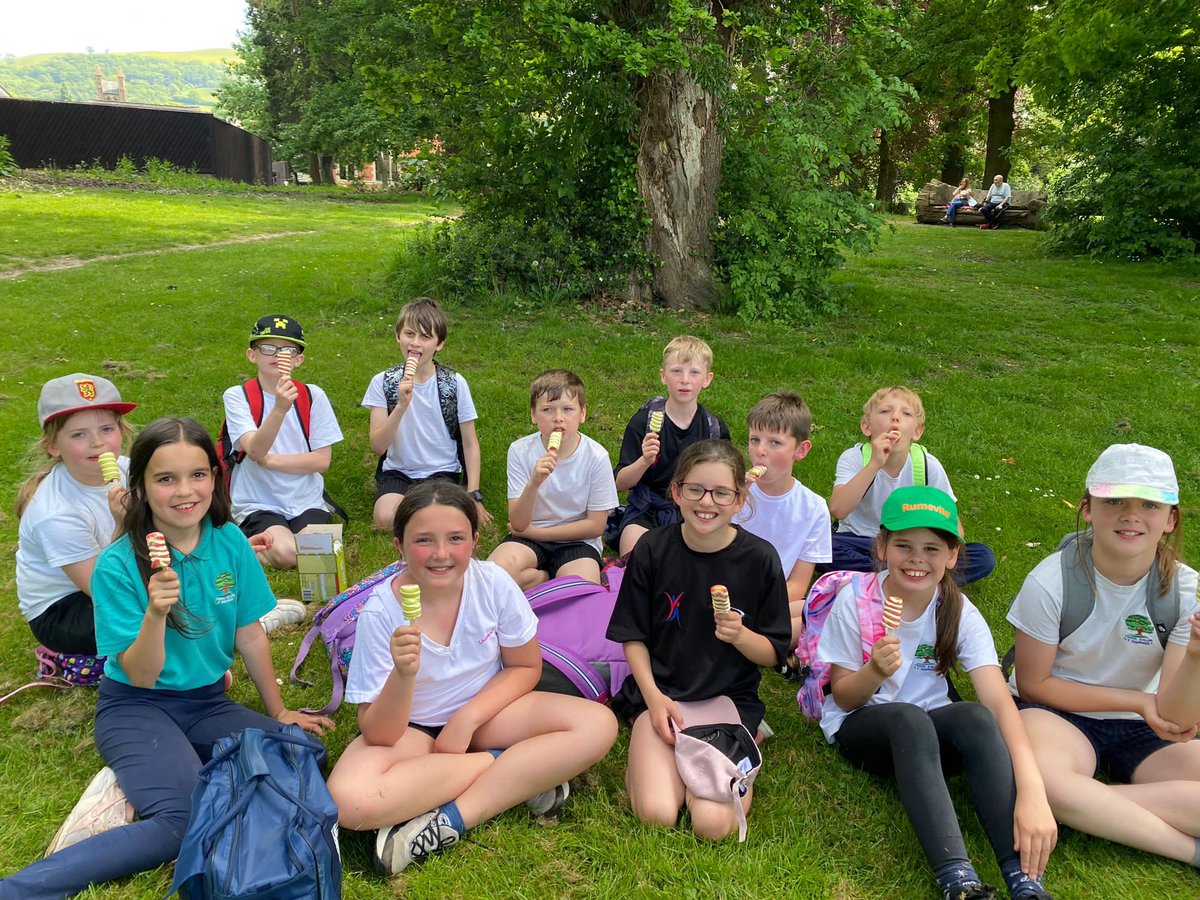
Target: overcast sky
(120,26)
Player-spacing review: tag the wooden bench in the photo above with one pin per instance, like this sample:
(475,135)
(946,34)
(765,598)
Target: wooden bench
(1023,212)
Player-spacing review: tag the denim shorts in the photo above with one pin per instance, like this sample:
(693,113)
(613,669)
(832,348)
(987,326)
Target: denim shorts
(1120,745)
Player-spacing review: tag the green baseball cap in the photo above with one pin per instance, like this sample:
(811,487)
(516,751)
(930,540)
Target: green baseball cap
(920,507)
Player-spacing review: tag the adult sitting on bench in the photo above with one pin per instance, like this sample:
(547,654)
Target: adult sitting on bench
(999,196)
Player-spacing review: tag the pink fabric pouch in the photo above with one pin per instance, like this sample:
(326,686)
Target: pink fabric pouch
(715,755)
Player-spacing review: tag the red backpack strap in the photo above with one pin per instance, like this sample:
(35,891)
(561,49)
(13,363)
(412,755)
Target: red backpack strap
(253,393)
(303,407)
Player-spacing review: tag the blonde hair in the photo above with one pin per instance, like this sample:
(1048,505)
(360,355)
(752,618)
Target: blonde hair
(687,348)
(908,394)
(782,411)
(42,462)
(555,383)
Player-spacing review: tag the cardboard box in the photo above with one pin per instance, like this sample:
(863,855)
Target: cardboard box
(321,562)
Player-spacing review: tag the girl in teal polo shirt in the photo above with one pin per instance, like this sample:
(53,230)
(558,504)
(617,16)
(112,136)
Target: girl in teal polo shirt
(169,636)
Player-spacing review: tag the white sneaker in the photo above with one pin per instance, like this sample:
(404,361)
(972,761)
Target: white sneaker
(102,807)
(549,803)
(413,841)
(286,612)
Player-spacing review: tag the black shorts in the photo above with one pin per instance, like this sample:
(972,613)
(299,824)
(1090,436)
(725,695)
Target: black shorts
(68,625)
(432,730)
(552,556)
(260,520)
(393,481)
(1120,745)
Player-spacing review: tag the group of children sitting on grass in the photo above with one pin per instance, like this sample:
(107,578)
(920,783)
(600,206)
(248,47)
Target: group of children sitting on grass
(451,729)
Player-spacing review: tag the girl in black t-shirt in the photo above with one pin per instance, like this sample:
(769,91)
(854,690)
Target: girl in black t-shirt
(678,647)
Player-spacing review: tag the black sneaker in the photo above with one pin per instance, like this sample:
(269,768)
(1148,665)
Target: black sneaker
(413,841)
(969,890)
(790,669)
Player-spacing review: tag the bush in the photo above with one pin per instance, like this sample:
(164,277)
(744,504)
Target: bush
(8,166)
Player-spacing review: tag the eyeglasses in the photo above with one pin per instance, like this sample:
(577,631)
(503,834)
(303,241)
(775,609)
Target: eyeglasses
(275,349)
(722,496)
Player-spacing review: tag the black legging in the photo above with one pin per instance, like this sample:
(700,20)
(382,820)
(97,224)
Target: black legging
(919,749)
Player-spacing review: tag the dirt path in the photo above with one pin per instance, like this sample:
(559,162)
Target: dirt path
(58,264)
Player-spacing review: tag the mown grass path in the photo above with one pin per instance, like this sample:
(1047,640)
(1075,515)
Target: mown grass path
(1027,366)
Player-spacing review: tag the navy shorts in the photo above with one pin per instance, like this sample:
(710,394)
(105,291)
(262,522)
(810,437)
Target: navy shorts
(1120,745)
(393,481)
(259,521)
(552,556)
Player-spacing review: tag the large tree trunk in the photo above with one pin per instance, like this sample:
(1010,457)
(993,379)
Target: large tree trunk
(954,160)
(889,174)
(1001,125)
(678,171)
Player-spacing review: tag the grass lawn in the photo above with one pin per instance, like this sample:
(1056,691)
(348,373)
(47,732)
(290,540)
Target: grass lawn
(1028,367)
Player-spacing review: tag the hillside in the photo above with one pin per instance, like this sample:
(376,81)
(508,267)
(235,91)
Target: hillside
(173,79)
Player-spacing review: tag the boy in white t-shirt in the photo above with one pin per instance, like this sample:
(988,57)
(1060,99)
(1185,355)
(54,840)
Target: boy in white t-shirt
(423,424)
(559,494)
(893,421)
(276,488)
(782,511)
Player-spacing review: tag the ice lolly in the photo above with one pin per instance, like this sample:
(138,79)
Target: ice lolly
(109,468)
(720,598)
(892,607)
(410,601)
(160,556)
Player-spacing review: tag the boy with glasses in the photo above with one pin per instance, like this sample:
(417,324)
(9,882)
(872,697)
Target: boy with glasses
(287,439)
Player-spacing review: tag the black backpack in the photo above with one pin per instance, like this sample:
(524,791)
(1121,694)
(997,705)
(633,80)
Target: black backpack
(447,388)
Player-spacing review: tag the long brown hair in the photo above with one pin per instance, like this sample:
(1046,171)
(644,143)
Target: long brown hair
(139,521)
(949,604)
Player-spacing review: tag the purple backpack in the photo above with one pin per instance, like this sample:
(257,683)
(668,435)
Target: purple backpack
(335,624)
(814,674)
(572,617)
(63,670)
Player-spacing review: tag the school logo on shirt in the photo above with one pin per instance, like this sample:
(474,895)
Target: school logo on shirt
(924,659)
(227,588)
(673,607)
(1140,628)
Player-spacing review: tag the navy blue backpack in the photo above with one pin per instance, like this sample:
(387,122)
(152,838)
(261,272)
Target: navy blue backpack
(263,824)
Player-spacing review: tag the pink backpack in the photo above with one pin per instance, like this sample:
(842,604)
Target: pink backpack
(814,674)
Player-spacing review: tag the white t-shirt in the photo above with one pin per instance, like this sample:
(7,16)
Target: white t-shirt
(493,614)
(66,522)
(1105,650)
(581,483)
(864,518)
(916,681)
(254,488)
(422,445)
(796,524)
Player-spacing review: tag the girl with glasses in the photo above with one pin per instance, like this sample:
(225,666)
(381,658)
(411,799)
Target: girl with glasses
(682,649)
